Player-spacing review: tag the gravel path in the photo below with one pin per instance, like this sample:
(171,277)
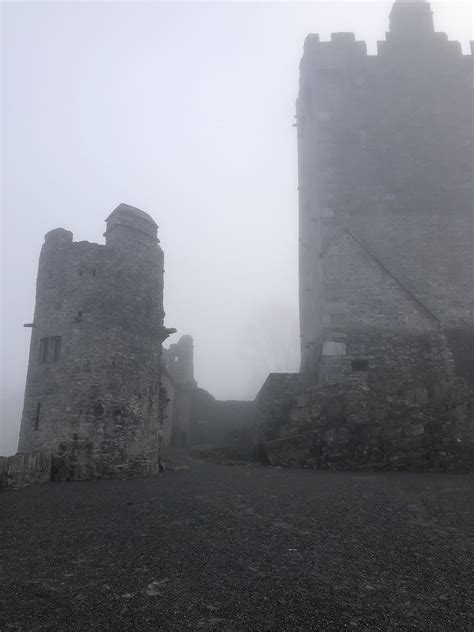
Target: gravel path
(239,548)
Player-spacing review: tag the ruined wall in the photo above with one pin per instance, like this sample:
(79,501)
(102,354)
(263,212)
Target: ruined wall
(197,418)
(167,406)
(24,469)
(92,391)
(193,417)
(180,385)
(220,422)
(385,150)
(179,361)
(182,417)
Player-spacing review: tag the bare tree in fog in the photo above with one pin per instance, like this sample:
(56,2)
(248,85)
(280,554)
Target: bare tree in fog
(271,342)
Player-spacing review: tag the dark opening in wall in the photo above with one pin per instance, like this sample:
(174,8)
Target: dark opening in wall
(359,365)
(79,272)
(50,349)
(43,350)
(37,416)
(99,410)
(56,348)
(461,344)
(93,271)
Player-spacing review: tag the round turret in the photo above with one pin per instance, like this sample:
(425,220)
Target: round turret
(58,237)
(92,392)
(129,227)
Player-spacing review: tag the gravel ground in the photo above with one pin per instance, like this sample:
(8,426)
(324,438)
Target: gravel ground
(234,548)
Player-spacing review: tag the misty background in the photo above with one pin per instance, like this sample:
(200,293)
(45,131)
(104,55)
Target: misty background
(184,110)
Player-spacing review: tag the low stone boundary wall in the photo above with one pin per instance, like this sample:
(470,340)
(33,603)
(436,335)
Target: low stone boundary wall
(24,469)
(82,461)
(220,422)
(71,462)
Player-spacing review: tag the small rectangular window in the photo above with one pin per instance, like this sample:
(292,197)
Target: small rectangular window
(359,365)
(56,348)
(50,349)
(43,352)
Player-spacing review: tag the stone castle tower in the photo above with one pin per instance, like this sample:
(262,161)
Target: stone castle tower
(385,161)
(385,149)
(92,391)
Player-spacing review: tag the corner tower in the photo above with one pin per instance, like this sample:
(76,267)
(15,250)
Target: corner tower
(92,388)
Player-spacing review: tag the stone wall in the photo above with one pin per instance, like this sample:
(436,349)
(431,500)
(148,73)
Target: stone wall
(193,416)
(220,422)
(180,389)
(347,425)
(179,361)
(275,399)
(92,391)
(461,344)
(167,406)
(182,416)
(24,469)
(373,323)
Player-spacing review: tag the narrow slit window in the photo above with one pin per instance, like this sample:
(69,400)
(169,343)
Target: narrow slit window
(37,416)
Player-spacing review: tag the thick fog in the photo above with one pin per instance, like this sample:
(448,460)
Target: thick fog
(184,110)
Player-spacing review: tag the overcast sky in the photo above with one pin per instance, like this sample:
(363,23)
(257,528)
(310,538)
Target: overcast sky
(184,110)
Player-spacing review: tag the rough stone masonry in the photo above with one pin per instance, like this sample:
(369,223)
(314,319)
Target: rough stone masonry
(385,155)
(92,390)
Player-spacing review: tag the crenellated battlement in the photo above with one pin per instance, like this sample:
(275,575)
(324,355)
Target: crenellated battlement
(345,45)
(411,31)
(341,46)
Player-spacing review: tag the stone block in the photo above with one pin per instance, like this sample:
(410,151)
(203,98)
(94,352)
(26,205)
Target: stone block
(293,451)
(414,430)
